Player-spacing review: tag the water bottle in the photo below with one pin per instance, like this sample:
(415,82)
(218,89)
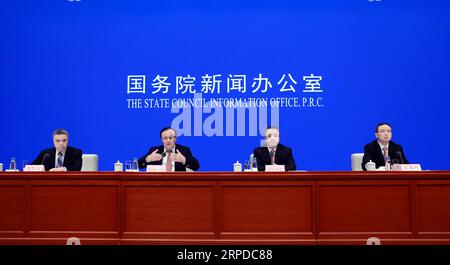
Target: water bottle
(254,165)
(13,164)
(134,166)
(247,166)
(388,163)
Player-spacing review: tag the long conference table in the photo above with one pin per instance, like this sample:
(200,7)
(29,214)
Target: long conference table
(212,208)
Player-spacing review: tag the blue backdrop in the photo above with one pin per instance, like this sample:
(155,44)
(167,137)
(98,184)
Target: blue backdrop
(69,64)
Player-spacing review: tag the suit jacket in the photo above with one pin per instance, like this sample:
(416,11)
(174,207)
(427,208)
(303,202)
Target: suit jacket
(72,159)
(372,151)
(283,156)
(191,161)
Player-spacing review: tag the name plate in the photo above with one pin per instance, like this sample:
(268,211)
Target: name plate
(406,167)
(275,168)
(156,168)
(34,168)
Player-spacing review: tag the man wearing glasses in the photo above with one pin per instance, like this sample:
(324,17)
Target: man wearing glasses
(62,157)
(174,156)
(383,148)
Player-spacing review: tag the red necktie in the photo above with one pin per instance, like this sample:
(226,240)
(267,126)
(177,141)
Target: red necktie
(385,152)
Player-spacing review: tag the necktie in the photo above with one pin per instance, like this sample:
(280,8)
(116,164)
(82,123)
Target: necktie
(169,161)
(59,162)
(272,156)
(385,152)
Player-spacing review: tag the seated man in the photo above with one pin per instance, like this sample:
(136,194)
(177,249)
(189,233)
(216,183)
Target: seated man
(174,156)
(62,157)
(381,148)
(275,153)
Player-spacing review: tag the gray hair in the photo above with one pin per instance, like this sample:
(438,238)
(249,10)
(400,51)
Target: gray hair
(269,128)
(60,132)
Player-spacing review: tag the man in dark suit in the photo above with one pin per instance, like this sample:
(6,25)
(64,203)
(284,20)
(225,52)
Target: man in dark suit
(379,150)
(174,156)
(62,157)
(274,153)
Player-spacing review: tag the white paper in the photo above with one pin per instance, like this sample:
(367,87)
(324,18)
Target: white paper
(275,168)
(156,168)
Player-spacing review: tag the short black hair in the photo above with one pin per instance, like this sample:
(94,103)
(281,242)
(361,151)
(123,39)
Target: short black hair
(165,129)
(381,124)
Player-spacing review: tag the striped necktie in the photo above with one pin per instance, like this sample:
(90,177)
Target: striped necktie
(59,161)
(272,156)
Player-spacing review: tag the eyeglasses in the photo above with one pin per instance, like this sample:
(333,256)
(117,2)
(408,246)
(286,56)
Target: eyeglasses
(169,138)
(384,131)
